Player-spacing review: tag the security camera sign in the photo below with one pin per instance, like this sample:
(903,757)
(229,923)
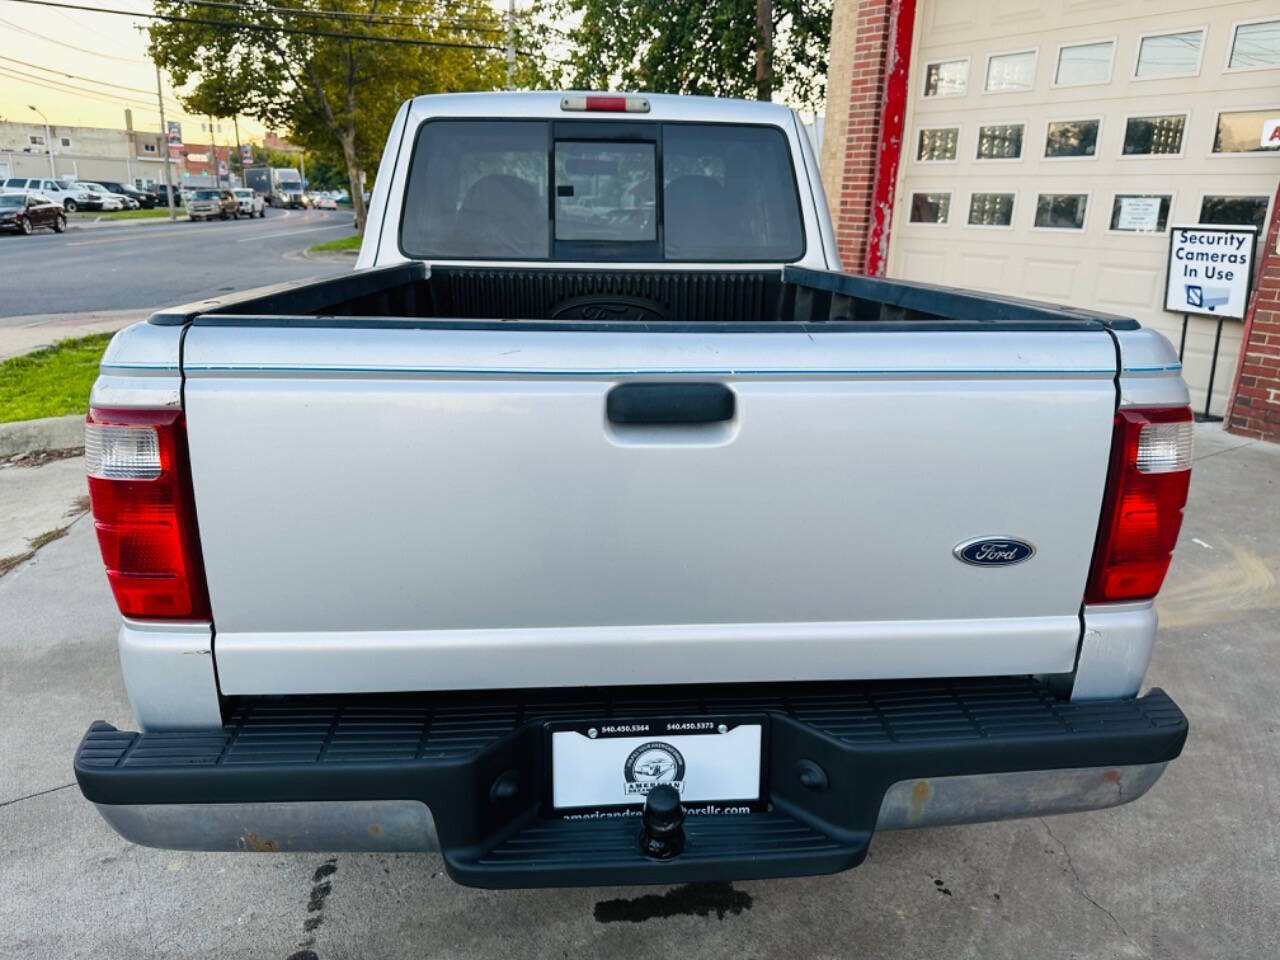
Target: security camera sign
(1210,270)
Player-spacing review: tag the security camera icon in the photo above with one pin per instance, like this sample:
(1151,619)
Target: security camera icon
(1207,298)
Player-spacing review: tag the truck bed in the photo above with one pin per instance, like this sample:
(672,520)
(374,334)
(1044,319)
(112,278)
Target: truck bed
(671,298)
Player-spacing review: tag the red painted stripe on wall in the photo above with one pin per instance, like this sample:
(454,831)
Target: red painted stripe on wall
(893,109)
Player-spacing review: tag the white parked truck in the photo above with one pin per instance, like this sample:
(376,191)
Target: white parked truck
(597,529)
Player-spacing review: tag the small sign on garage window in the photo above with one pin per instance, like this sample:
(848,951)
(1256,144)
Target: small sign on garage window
(1140,213)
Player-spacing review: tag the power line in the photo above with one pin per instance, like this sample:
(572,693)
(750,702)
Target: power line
(266,28)
(72,76)
(60,87)
(69,46)
(399,19)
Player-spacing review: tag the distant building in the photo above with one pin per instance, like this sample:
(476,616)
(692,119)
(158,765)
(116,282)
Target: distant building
(273,141)
(84,153)
(198,168)
(102,153)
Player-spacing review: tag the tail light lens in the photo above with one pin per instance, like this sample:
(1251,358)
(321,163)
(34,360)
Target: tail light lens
(1142,510)
(144,513)
(605,103)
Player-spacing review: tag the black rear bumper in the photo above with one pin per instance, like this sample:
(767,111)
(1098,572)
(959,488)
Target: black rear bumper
(477,761)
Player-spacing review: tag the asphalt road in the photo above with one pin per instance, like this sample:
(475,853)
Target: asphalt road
(1186,873)
(146,265)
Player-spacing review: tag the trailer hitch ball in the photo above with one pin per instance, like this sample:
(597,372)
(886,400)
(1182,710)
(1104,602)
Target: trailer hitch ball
(662,823)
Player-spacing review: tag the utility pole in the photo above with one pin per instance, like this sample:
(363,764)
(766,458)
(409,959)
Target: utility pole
(235,120)
(164,143)
(764,50)
(213,158)
(511,44)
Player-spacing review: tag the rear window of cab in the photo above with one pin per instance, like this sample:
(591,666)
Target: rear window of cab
(591,190)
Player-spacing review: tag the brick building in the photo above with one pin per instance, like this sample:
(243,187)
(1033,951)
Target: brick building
(1045,148)
(1255,405)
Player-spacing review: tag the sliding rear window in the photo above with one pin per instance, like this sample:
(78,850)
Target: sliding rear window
(569,190)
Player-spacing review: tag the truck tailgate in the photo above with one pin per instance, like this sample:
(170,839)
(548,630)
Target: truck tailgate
(389,507)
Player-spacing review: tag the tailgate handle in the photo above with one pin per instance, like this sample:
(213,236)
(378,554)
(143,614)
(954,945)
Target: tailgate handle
(659,403)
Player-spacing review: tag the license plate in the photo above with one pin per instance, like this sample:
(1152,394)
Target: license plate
(713,762)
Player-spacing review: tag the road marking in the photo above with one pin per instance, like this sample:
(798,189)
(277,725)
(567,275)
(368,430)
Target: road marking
(118,239)
(124,237)
(290,233)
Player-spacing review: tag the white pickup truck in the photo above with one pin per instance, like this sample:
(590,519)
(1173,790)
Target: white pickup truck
(597,529)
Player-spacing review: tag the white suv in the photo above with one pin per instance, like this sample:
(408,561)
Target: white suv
(110,201)
(251,202)
(70,196)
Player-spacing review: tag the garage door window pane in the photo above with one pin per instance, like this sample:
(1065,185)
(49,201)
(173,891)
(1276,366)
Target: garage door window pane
(1140,212)
(1000,141)
(1241,131)
(1011,71)
(1085,63)
(950,78)
(1061,211)
(938,144)
(1153,135)
(991,209)
(1071,138)
(1256,45)
(1234,210)
(930,207)
(1170,55)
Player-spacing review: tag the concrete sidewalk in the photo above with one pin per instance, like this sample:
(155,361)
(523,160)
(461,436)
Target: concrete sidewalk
(20,335)
(38,502)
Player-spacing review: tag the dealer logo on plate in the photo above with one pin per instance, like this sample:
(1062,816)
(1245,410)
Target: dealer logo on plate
(650,764)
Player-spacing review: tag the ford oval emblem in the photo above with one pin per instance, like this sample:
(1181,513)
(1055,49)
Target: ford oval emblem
(994,551)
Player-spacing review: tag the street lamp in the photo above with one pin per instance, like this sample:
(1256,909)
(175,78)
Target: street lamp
(48,142)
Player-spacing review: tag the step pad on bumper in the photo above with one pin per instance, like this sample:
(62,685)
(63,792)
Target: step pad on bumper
(449,750)
(605,852)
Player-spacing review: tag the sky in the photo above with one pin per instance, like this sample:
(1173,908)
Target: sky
(105,54)
(106,58)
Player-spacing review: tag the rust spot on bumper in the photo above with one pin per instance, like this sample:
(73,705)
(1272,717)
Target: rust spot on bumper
(260,844)
(921,794)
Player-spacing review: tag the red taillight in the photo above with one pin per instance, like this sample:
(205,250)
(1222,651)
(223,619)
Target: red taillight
(1142,510)
(605,103)
(144,512)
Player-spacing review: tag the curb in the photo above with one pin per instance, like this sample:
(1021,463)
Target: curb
(98,223)
(345,257)
(49,433)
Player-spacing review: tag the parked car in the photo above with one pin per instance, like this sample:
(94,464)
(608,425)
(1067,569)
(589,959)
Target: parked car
(644,512)
(162,195)
(250,202)
(26,212)
(69,196)
(207,203)
(110,201)
(142,198)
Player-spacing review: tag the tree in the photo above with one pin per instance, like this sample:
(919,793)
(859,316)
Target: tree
(320,73)
(686,46)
